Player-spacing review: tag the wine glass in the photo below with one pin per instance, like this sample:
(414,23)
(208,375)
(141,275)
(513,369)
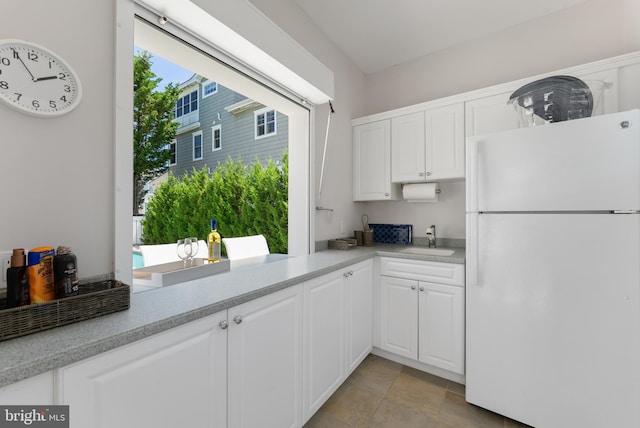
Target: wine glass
(195,248)
(181,251)
(188,250)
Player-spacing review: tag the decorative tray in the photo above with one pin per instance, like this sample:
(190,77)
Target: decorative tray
(95,299)
(174,272)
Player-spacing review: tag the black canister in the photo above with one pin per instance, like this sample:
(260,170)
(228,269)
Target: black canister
(65,273)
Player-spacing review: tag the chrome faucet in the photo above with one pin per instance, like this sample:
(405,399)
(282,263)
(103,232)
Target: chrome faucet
(431,235)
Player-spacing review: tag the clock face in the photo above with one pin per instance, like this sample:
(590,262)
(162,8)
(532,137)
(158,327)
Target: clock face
(36,81)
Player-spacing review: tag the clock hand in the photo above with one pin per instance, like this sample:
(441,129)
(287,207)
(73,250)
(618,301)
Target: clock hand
(23,64)
(39,79)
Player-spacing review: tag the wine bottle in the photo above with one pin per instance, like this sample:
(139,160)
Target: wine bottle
(213,243)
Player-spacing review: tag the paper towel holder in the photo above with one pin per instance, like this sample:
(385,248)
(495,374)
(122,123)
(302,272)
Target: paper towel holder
(420,192)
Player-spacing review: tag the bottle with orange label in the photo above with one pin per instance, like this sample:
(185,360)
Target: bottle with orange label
(41,286)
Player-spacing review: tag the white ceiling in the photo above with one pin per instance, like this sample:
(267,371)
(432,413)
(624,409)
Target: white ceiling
(377,34)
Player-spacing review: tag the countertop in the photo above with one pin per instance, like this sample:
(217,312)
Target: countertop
(158,310)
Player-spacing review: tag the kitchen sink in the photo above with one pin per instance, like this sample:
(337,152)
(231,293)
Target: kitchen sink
(428,251)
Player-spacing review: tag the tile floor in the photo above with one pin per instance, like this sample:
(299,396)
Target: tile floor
(381,393)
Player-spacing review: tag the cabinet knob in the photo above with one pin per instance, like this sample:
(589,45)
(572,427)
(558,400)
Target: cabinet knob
(413,287)
(237,319)
(386,194)
(420,174)
(428,173)
(224,324)
(421,288)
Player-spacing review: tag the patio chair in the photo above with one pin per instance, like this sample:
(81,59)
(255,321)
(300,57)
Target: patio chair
(245,246)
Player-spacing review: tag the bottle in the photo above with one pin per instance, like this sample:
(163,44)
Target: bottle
(65,273)
(213,243)
(41,286)
(18,280)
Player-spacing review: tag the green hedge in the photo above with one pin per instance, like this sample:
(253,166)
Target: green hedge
(244,200)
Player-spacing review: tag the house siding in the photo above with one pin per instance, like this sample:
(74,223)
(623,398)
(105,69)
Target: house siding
(238,135)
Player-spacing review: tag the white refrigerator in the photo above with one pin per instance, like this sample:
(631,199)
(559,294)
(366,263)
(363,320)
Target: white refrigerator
(553,273)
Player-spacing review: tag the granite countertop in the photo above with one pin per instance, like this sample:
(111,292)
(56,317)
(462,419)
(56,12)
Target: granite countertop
(158,310)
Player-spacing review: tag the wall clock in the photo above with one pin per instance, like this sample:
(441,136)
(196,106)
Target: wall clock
(36,81)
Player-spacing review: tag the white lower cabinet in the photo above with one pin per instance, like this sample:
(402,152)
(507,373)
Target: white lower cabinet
(337,331)
(237,368)
(36,390)
(422,312)
(174,378)
(265,361)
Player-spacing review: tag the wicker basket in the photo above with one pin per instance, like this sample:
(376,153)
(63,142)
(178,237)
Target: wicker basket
(95,299)
(342,243)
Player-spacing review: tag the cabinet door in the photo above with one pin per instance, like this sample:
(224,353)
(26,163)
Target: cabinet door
(265,361)
(324,339)
(408,148)
(399,316)
(171,379)
(359,313)
(34,390)
(490,114)
(441,326)
(372,162)
(445,142)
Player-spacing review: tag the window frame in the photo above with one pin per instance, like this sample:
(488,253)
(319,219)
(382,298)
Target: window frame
(264,112)
(215,128)
(173,150)
(204,85)
(168,42)
(193,145)
(180,104)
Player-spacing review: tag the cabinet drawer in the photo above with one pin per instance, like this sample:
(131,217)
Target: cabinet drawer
(441,273)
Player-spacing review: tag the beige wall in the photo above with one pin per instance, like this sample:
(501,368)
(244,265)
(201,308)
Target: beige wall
(591,31)
(58,174)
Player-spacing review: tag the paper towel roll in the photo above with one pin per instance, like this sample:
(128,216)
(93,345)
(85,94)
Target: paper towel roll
(420,192)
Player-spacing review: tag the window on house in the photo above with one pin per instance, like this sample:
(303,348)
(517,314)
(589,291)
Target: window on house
(187,103)
(209,88)
(265,123)
(196,137)
(173,149)
(216,134)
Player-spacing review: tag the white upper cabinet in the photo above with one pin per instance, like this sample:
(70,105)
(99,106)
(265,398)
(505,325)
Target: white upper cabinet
(490,114)
(428,145)
(425,142)
(372,162)
(444,133)
(408,162)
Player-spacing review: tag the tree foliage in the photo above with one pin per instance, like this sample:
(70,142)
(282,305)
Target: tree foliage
(153,126)
(244,200)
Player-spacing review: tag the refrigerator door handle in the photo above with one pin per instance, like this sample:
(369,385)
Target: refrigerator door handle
(472,267)
(472,158)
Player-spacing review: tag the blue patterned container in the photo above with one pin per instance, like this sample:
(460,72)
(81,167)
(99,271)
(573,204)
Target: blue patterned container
(392,233)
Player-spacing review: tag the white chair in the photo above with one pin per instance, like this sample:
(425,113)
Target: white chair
(245,247)
(166,253)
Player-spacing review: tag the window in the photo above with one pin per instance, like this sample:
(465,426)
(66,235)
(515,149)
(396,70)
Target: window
(216,140)
(209,88)
(194,55)
(265,123)
(187,104)
(196,137)
(173,149)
